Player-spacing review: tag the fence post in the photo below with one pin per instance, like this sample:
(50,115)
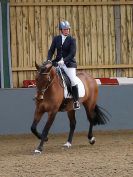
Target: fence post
(1,50)
(6,81)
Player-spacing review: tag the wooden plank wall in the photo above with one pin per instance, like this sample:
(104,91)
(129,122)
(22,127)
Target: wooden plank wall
(34,23)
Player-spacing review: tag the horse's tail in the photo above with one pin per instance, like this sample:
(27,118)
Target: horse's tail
(100,118)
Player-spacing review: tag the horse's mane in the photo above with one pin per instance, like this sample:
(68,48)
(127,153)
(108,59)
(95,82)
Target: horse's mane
(65,77)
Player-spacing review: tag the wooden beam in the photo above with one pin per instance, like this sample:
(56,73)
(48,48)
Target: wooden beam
(99,3)
(118,66)
(14,69)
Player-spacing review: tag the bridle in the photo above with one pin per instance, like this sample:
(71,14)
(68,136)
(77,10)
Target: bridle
(49,81)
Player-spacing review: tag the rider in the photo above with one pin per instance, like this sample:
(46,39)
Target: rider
(66,50)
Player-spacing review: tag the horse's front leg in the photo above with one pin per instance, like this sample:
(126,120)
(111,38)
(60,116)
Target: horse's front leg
(71,116)
(51,117)
(37,117)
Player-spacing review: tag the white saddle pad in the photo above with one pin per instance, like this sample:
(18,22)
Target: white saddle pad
(81,89)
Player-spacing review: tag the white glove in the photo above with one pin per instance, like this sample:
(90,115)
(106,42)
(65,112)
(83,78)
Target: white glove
(49,61)
(61,62)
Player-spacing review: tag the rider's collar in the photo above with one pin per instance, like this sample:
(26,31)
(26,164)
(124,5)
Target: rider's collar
(63,38)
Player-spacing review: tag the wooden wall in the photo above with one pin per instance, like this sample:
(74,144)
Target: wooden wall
(103,29)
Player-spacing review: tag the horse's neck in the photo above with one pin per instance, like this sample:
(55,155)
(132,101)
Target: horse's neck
(54,92)
(55,83)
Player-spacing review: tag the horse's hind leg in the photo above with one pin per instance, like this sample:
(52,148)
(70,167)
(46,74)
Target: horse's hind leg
(90,115)
(71,116)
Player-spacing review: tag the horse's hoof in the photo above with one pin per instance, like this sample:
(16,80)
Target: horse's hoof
(92,140)
(67,145)
(37,151)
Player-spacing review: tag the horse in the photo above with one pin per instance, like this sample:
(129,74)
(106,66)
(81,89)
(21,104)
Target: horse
(50,98)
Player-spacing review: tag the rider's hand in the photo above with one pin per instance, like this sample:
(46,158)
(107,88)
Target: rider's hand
(61,62)
(49,61)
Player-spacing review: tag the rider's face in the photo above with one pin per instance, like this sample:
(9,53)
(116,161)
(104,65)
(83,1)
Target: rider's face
(65,32)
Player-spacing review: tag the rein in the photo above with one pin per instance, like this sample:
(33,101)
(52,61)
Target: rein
(48,83)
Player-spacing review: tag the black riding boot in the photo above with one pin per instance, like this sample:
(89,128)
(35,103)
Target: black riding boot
(75,95)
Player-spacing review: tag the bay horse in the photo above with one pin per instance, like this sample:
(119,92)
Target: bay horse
(50,99)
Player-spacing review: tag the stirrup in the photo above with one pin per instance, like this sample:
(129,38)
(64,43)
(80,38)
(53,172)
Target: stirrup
(76,105)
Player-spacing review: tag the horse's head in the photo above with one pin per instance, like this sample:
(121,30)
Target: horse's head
(44,77)
(44,68)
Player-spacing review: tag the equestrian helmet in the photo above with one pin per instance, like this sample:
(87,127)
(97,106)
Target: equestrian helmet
(64,25)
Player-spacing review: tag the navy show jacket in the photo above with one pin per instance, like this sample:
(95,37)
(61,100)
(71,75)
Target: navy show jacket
(67,51)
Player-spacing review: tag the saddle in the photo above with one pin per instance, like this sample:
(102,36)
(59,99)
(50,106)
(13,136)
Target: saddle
(65,81)
(67,84)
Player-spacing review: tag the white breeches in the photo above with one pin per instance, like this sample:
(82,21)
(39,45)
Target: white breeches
(71,72)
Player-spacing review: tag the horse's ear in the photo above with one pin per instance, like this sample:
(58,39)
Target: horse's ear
(48,67)
(36,65)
